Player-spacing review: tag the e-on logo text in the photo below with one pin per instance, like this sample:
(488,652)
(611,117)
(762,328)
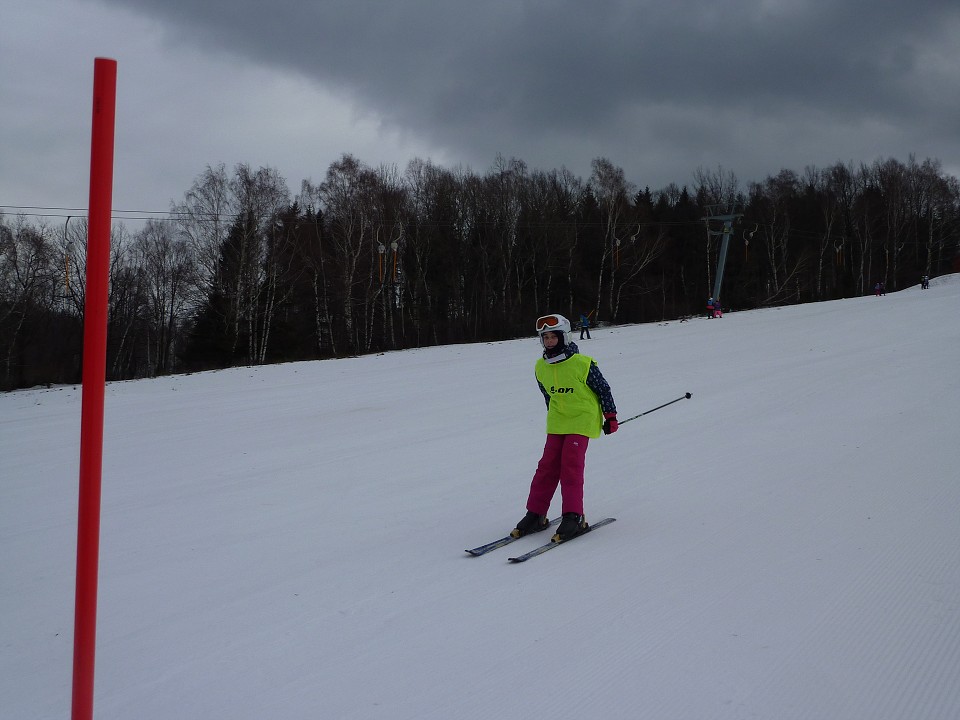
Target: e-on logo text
(556,390)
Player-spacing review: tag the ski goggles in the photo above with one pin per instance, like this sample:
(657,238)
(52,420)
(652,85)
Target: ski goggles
(547,322)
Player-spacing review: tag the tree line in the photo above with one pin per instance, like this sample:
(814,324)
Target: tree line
(243,272)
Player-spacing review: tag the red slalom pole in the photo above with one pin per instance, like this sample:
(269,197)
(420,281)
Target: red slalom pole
(94,380)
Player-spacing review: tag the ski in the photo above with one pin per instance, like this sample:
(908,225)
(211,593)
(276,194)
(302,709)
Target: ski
(551,545)
(483,549)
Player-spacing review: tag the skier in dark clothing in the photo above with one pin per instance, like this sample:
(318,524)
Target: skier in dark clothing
(584,325)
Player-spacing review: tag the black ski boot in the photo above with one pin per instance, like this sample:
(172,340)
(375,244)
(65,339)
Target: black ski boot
(572,525)
(531,523)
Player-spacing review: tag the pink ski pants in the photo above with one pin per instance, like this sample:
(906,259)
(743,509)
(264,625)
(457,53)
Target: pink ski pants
(562,463)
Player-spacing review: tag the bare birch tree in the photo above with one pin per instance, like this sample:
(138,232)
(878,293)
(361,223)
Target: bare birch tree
(169,274)
(612,192)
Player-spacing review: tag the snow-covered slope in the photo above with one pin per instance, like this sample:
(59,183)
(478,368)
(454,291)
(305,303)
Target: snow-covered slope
(287,541)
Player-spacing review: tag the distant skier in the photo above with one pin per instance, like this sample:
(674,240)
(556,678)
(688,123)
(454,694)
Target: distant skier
(710,312)
(717,309)
(579,406)
(585,325)
(925,282)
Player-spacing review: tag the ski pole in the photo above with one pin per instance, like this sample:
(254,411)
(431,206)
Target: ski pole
(685,396)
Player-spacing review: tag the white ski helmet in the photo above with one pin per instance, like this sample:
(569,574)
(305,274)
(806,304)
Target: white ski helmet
(555,324)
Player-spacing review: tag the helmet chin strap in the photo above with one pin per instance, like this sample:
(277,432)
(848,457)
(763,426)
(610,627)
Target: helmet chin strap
(555,355)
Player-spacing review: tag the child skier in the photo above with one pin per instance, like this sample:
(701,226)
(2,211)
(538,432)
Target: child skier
(579,405)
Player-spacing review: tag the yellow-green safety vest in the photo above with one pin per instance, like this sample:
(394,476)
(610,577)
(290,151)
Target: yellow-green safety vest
(574,407)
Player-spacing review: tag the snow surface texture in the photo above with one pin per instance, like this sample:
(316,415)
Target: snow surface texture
(288,541)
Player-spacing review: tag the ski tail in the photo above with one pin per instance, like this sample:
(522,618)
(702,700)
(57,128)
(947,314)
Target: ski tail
(484,549)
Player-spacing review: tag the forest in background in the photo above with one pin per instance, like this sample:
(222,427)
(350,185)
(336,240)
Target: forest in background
(241,271)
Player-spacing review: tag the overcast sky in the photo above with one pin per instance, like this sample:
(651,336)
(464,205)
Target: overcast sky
(659,88)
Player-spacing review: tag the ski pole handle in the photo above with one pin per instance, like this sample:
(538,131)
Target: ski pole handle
(685,396)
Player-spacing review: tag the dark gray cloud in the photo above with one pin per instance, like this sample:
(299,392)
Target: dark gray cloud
(556,83)
(661,89)
(181,105)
